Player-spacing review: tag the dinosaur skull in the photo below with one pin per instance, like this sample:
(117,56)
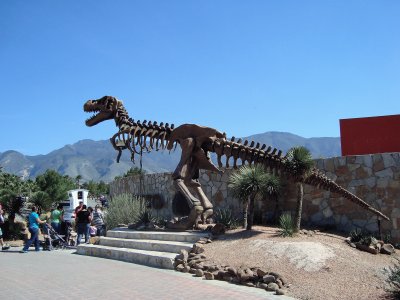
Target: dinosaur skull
(104,109)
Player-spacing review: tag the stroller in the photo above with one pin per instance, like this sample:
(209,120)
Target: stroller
(52,239)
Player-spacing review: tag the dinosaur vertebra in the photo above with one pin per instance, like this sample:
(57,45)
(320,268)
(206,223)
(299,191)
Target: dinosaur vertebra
(196,143)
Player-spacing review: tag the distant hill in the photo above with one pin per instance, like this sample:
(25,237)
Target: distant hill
(96,160)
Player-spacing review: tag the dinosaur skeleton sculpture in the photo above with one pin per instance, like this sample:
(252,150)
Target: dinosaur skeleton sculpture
(196,143)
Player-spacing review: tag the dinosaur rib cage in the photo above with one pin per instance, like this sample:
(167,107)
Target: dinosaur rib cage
(149,135)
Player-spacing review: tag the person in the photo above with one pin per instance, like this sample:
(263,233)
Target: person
(83,222)
(98,220)
(56,218)
(78,208)
(93,231)
(4,246)
(34,222)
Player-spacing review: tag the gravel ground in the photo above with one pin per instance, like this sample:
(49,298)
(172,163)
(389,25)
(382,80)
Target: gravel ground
(321,266)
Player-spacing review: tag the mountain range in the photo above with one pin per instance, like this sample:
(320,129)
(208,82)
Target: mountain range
(96,160)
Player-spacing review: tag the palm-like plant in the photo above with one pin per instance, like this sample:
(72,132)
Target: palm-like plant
(248,183)
(299,163)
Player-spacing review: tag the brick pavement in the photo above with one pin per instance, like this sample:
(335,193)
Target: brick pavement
(61,274)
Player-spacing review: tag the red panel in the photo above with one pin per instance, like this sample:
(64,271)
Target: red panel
(370,135)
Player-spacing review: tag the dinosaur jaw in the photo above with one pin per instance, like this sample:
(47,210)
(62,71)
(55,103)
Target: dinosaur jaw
(104,109)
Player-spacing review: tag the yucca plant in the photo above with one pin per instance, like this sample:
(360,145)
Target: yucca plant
(299,163)
(286,225)
(226,217)
(246,184)
(146,217)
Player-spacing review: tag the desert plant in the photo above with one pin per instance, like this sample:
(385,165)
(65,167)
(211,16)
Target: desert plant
(226,217)
(394,280)
(299,163)
(124,209)
(248,183)
(369,240)
(286,225)
(146,217)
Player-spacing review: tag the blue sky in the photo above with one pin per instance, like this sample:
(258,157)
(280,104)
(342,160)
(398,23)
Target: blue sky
(243,67)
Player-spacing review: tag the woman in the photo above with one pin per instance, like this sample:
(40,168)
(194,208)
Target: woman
(83,223)
(34,222)
(56,218)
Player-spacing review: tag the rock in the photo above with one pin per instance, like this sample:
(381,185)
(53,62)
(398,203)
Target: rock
(199,273)
(209,241)
(197,248)
(261,273)
(184,254)
(279,283)
(243,275)
(178,262)
(209,276)
(369,249)
(249,284)
(179,268)
(186,269)
(192,271)
(232,271)
(387,249)
(218,229)
(263,286)
(268,278)
(272,287)
(132,226)
(280,292)
(227,278)
(198,266)
(278,276)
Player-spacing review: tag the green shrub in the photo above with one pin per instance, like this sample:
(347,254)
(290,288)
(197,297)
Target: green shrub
(225,217)
(356,235)
(123,209)
(394,280)
(286,225)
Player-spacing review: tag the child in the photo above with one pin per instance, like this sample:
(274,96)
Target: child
(92,231)
(3,245)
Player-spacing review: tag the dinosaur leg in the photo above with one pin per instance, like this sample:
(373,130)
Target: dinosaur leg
(181,175)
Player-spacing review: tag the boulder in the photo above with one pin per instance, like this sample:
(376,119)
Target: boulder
(387,249)
(366,248)
(272,287)
(209,276)
(186,269)
(280,292)
(199,273)
(232,271)
(261,273)
(268,278)
(179,267)
(218,229)
(197,248)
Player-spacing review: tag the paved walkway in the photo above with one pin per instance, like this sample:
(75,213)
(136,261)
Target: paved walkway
(61,274)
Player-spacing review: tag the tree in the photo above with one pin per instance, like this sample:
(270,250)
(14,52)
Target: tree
(55,185)
(272,190)
(299,164)
(42,201)
(78,178)
(248,183)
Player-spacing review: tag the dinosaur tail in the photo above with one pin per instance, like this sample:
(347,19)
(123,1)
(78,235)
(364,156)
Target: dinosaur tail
(320,180)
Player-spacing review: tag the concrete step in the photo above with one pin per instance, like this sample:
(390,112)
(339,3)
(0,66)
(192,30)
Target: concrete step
(156,259)
(179,236)
(149,245)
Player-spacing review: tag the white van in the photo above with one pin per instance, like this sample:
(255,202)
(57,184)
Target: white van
(74,197)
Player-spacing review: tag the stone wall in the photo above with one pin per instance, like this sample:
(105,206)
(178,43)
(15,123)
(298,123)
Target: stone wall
(374,178)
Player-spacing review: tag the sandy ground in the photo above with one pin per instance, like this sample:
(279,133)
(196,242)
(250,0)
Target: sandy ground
(321,266)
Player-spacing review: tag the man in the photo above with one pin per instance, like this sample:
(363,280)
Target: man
(78,208)
(83,219)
